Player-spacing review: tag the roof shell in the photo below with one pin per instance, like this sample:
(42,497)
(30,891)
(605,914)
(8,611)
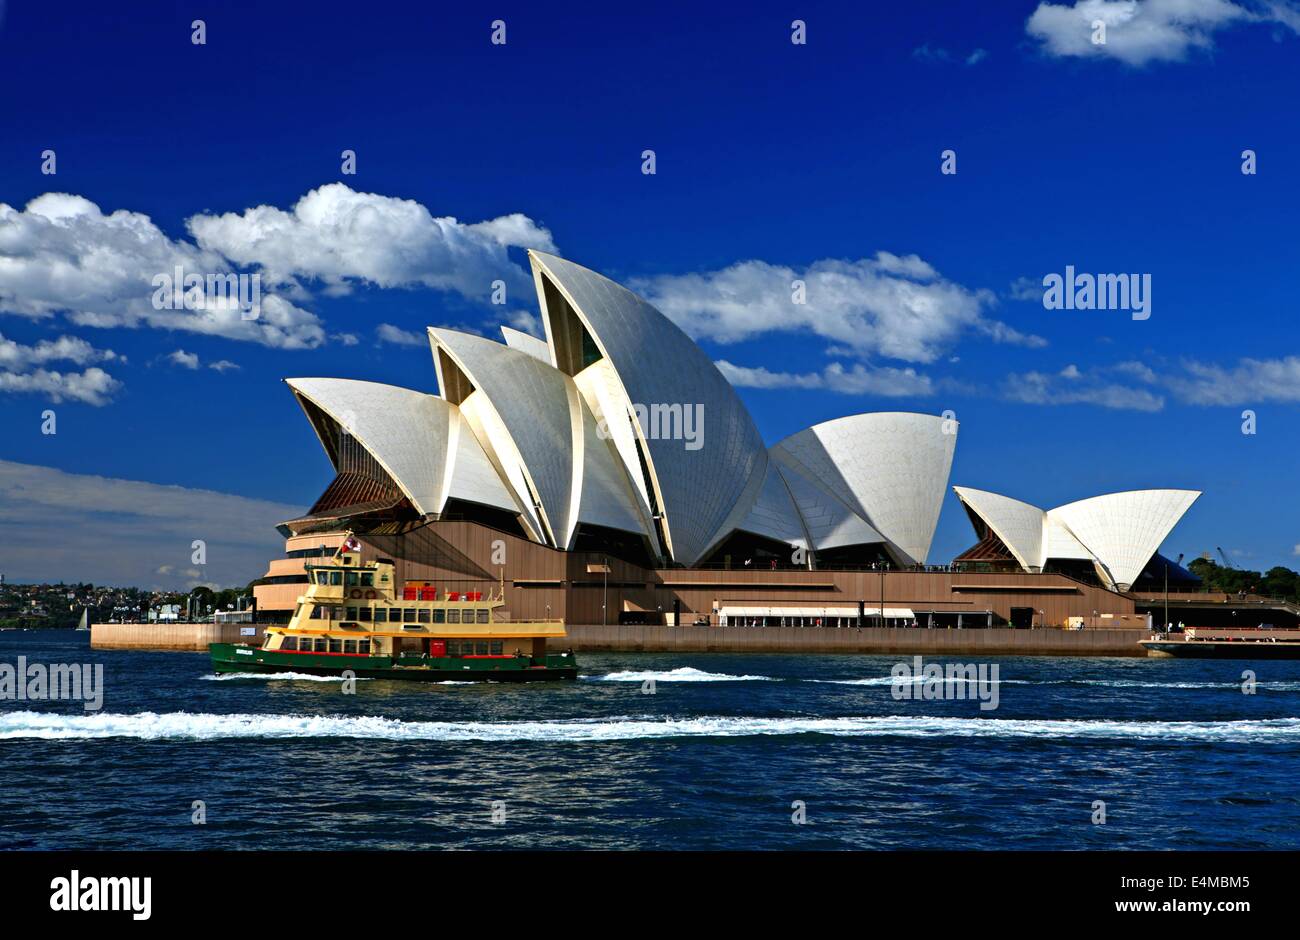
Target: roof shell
(1124,530)
(659,366)
(413,435)
(527,343)
(1118,532)
(531,402)
(1018,524)
(566,462)
(890,467)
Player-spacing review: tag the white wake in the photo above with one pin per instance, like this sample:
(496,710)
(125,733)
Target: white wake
(186,726)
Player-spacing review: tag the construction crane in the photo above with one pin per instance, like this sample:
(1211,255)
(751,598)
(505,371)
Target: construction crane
(1224,556)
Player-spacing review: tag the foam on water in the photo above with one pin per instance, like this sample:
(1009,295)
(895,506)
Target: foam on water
(151,726)
(1108,683)
(683,674)
(273,676)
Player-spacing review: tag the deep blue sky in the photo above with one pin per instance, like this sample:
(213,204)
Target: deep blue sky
(766,151)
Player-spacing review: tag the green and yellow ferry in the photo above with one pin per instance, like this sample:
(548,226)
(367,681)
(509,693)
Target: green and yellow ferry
(353,618)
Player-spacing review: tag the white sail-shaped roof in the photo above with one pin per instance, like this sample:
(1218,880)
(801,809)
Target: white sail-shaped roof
(891,468)
(657,366)
(1019,525)
(829,521)
(413,435)
(1118,532)
(472,476)
(529,430)
(543,437)
(526,343)
(605,495)
(1059,542)
(1123,530)
(773,513)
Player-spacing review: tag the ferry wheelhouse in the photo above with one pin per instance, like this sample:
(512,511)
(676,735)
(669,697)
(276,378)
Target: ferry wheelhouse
(353,617)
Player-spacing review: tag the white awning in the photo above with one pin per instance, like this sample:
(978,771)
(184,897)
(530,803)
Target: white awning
(898,613)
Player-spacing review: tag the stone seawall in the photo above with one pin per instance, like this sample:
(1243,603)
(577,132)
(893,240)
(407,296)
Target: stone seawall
(990,642)
(170,636)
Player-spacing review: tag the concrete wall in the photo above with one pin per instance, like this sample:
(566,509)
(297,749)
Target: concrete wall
(994,642)
(541,582)
(168,636)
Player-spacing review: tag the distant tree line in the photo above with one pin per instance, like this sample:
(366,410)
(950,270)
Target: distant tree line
(106,603)
(1279,581)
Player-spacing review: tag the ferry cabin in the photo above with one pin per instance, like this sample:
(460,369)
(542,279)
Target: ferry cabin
(350,609)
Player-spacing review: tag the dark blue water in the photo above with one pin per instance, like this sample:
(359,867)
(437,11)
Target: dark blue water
(1181,758)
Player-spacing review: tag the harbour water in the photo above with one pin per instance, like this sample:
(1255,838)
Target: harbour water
(720,756)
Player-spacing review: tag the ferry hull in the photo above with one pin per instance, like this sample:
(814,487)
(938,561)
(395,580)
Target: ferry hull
(233,658)
(1209,649)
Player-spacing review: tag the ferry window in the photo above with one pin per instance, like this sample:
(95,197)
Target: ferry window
(364,614)
(495,648)
(439,616)
(453,647)
(315,614)
(482,616)
(289,643)
(395,614)
(350,578)
(322,644)
(336,646)
(410,614)
(363,646)
(481,648)
(367,579)
(349,646)
(424,615)
(322,577)
(352,613)
(381,615)
(453,616)
(336,578)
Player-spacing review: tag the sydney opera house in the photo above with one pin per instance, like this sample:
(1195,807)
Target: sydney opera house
(610,474)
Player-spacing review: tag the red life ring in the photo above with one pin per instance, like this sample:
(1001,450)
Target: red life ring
(371,595)
(356,592)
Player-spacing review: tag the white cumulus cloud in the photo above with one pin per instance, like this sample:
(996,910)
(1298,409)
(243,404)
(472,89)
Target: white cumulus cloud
(22,370)
(1102,386)
(889,305)
(1248,381)
(388,333)
(855,380)
(1139,32)
(62,254)
(336,235)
